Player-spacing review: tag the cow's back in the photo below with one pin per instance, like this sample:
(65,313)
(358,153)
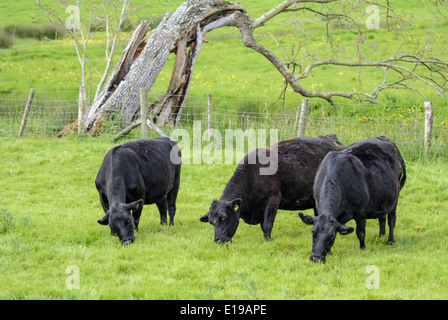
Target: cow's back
(385,172)
(298,160)
(140,169)
(155,168)
(340,187)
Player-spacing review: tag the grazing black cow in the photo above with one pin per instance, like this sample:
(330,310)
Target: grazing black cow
(133,174)
(361,182)
(255,197)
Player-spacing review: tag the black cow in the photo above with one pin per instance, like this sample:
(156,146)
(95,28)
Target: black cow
(255,197)
(133,174)
(361,182)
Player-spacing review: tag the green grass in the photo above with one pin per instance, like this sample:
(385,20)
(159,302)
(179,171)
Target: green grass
(49,204)
(49,207)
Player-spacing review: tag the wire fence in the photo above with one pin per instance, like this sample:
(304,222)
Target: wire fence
(52,114)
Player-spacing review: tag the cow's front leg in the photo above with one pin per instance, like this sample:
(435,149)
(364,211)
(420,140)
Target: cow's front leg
(163,207)
(136,215)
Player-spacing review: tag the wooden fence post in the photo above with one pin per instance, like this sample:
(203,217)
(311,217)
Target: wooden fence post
(209,112)
(302,121)
(144,112)
(428,125)
(27,112)
(296,122)
(81,100)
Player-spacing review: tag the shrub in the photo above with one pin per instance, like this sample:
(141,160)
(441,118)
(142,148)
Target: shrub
(6,40)
(23,31)
(52,31)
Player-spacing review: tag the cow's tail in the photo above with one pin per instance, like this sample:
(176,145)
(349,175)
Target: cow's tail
(402,177)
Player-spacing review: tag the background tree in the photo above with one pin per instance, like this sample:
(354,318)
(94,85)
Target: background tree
(110,15)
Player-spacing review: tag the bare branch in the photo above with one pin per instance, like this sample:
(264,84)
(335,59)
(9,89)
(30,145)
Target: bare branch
(384,63)
(281,8)
(62,23)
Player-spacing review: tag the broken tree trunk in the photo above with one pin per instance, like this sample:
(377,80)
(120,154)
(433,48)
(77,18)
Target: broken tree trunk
(143,59)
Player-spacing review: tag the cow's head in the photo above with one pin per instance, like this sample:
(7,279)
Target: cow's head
(121,221)
(225,217)
(324,233)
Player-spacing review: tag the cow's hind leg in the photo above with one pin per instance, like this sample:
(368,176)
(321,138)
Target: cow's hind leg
(391,218)
(382,223)
(171,200)
(162,205)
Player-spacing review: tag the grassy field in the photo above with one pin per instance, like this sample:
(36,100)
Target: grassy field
(49,207)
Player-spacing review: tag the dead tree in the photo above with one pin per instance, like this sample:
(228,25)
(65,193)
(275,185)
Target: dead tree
(183,33)
(143,59)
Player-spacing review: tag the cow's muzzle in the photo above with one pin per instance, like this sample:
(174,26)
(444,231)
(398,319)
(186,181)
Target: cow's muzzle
(316,258)
(127,241)
(223,240)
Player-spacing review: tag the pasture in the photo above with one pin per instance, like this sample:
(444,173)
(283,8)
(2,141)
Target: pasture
(49,207)
(49,204)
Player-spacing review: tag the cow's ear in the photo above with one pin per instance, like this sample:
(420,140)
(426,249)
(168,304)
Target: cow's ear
(135,205)
(204,218)
(235,203)
(343,229)
(306,218)
(104,220)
